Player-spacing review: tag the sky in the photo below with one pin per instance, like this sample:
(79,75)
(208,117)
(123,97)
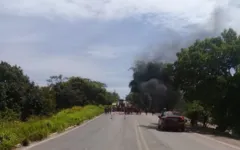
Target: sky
(101,39)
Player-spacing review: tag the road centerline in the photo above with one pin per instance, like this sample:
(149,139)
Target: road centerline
(141,136)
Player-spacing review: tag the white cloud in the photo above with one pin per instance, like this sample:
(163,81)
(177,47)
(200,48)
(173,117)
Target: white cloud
(124,90)
(37,62)
(103,54)
(173,14)
(181,12)
(192,10)
(39,46)
(22,38)
(109,52)
(40,65)
(43,48)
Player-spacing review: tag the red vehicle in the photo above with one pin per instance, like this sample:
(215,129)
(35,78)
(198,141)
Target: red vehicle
(171,121)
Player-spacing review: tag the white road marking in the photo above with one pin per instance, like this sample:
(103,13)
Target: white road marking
(141,136)
(226,144)
(59,135)
(137,137)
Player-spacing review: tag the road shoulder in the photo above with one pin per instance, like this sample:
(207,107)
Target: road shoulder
(56,135)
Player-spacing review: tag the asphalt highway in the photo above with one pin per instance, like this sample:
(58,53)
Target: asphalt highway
(134,132)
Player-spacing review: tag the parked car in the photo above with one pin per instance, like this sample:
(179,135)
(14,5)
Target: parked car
(171,121)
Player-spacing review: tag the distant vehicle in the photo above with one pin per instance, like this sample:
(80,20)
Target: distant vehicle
(171,121)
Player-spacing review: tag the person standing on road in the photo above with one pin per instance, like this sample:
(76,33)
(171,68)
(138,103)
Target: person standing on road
(125,112)
(146,111)
(153,112)
(163,111)
(110,111)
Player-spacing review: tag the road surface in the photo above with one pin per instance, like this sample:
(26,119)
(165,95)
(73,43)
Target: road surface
(136,132)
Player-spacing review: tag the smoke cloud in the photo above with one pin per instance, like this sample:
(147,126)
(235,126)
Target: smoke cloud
(155,85)
(223,16)
(163,94)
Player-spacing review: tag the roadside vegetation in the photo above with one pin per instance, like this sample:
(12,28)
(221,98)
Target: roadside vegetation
(204,78)
(17,132)
(29,112)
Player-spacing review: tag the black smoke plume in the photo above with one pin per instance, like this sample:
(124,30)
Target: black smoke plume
(150,75)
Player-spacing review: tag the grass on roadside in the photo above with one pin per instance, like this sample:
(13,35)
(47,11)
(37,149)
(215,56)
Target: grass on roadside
(13,133)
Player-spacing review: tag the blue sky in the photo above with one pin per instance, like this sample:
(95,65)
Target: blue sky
(101,39)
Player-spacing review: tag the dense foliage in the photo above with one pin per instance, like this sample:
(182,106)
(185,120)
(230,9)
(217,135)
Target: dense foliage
(207,74)
(20,98)
(17,132)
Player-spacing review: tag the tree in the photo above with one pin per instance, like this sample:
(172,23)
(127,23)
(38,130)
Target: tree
(202,72)
(21,97)
(33,102)
(18,93)
(14,85)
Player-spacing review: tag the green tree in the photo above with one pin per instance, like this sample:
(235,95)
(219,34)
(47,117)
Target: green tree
(202,72)
(19,97)
(13,86)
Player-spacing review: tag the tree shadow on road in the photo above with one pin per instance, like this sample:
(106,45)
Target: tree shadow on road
(150,126)
(153,126)
(210,131)
(198,129)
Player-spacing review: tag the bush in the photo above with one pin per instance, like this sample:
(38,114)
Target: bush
(13,133)
(8,115)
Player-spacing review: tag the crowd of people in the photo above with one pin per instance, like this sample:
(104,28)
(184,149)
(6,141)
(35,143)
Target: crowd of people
(125,109)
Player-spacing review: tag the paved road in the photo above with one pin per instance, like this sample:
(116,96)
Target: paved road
(133,133)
